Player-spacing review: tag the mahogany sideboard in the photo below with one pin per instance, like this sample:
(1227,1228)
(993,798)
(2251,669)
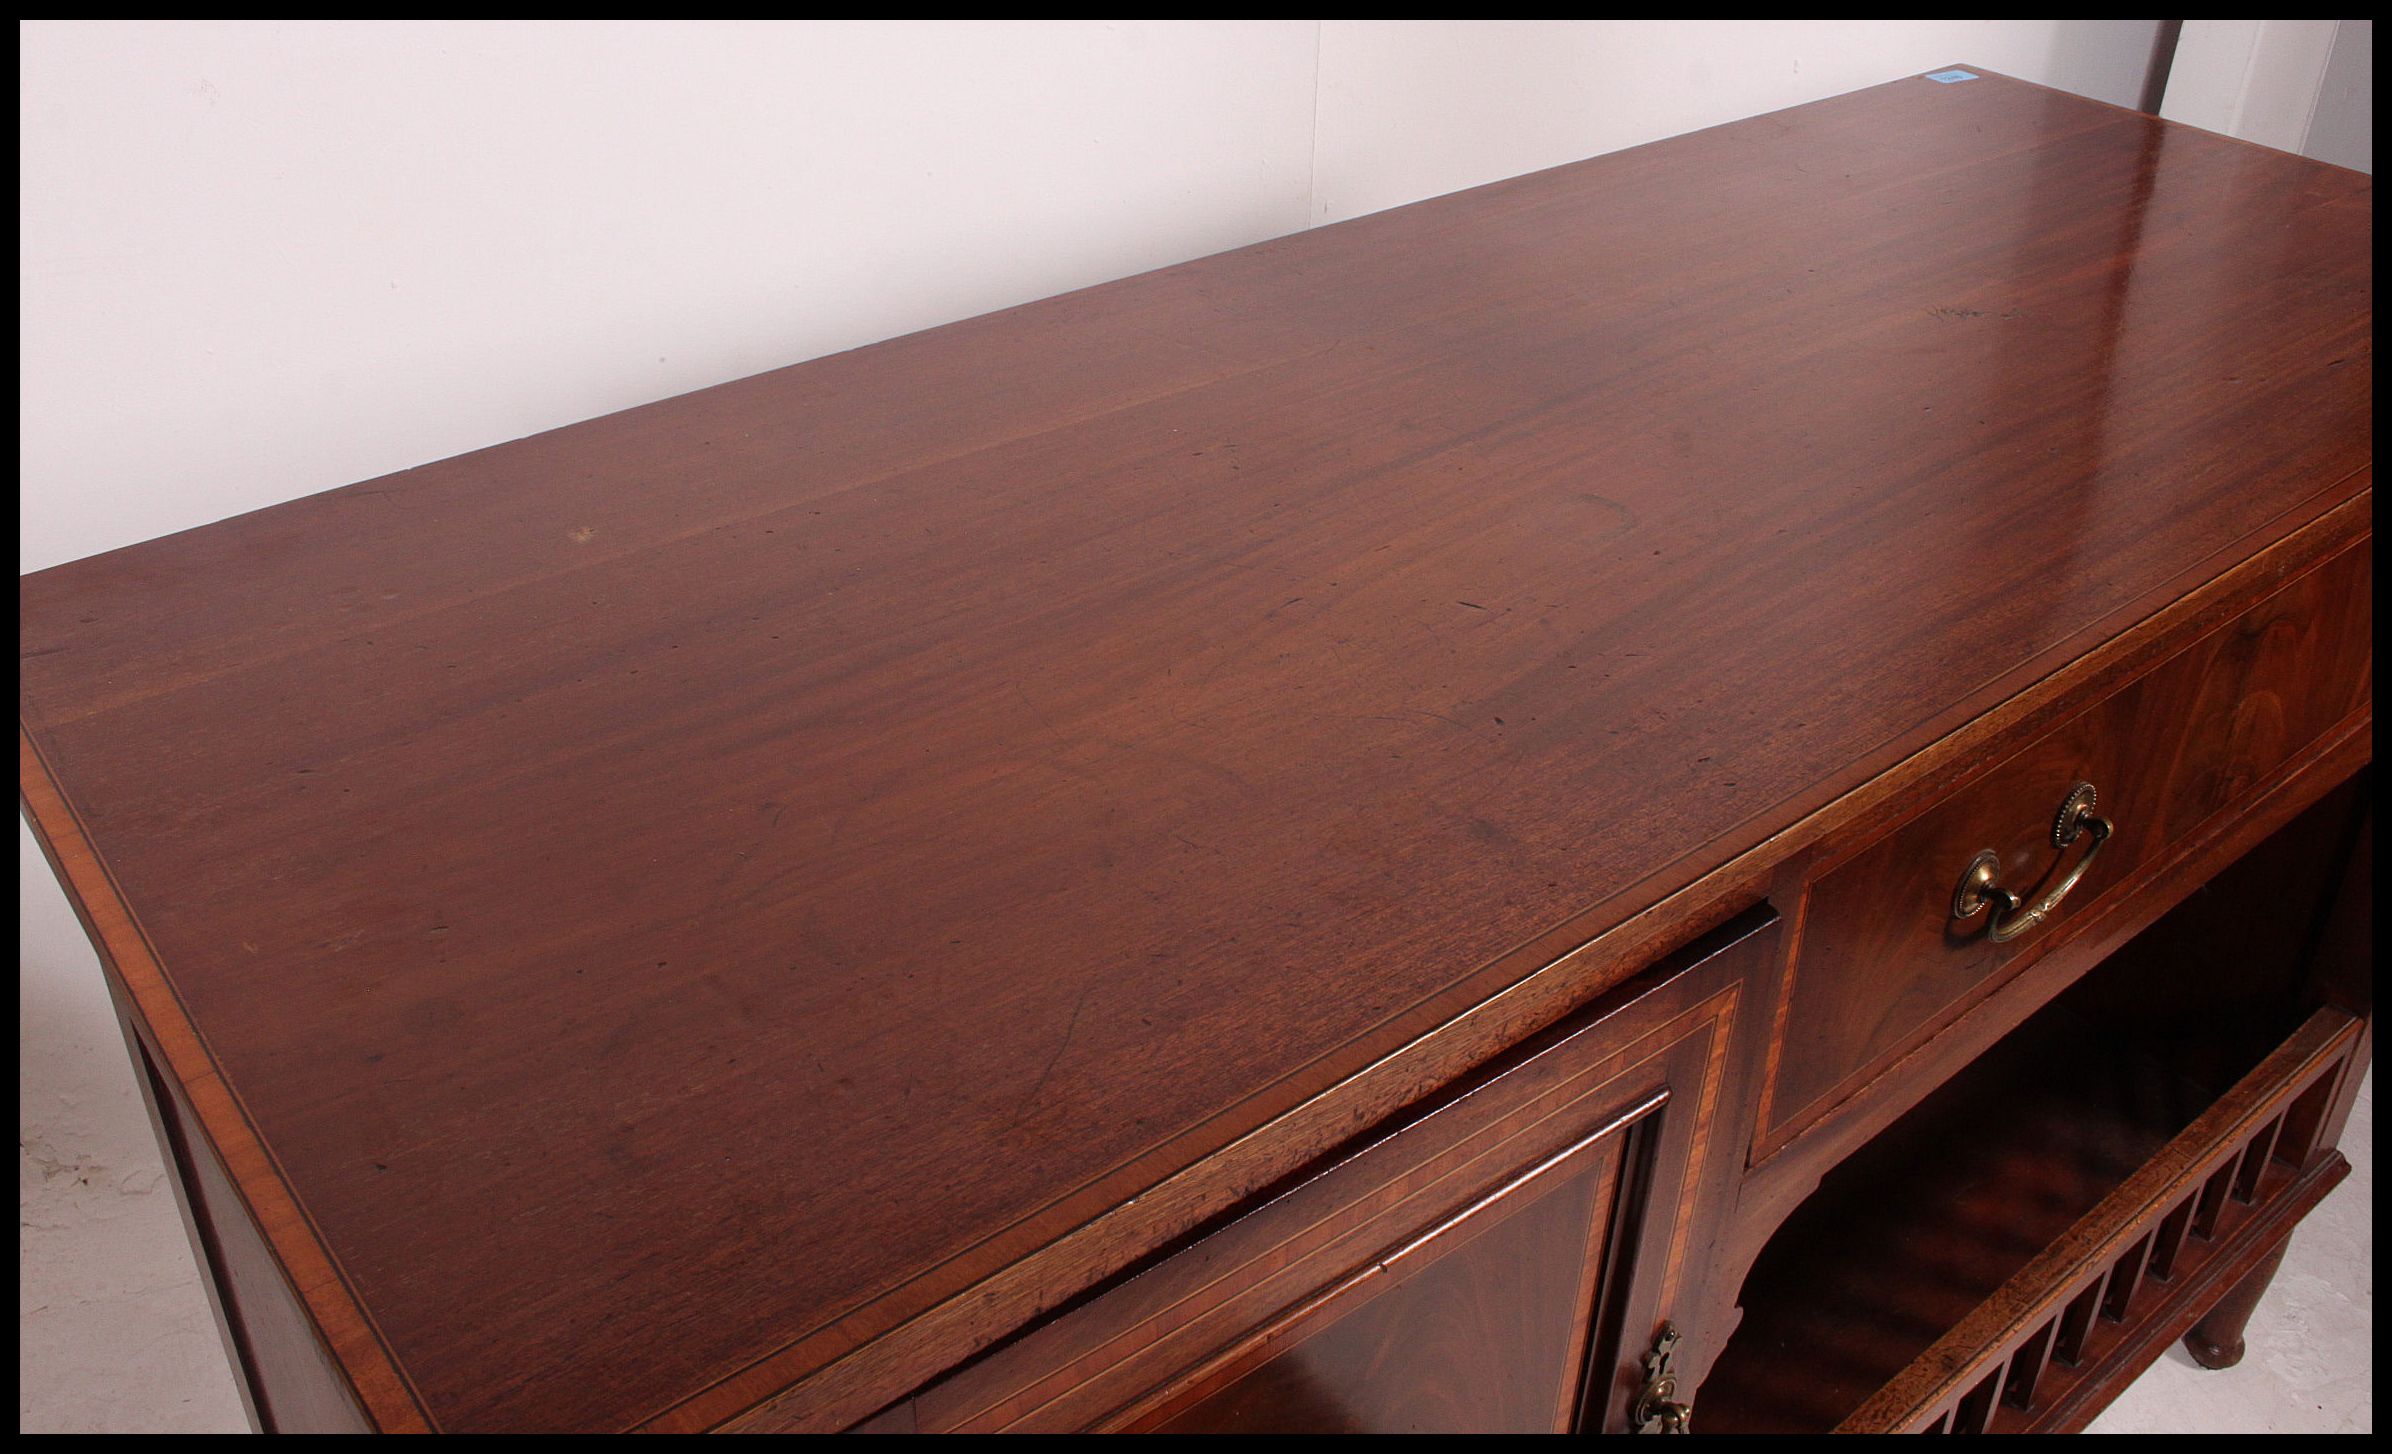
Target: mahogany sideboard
(1730,778)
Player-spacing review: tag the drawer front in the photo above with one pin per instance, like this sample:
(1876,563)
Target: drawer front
(1883,963)
(1462,1268)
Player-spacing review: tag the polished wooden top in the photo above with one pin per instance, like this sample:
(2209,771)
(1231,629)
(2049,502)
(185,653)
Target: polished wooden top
(700,886)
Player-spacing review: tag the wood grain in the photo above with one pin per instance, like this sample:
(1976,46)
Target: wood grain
(1640,1068)
(1883,963)
(1486,1340)
(2305,808)
(675,901)
(284,1369)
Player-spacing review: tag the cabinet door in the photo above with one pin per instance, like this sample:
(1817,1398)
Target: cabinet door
(1493,1260)
(1478,1323)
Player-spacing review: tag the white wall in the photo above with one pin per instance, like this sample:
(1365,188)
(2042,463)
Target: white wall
(276,257)
(2296,85)
(1412,110)
(265,258)
(2342,129)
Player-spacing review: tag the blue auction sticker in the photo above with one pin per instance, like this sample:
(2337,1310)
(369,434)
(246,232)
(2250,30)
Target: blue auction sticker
(1948,77)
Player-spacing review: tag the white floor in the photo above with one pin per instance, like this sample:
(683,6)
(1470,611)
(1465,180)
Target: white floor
(117,1337)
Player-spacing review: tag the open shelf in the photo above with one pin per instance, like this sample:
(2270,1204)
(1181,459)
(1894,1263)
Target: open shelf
(1913,1234)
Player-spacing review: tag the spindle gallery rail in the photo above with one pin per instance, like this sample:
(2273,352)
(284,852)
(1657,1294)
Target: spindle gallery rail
(2143,1265)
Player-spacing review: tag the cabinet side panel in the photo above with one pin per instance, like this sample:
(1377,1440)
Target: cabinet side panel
(293,1385)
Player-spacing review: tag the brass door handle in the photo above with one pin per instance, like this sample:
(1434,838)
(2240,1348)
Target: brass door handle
(1979,887)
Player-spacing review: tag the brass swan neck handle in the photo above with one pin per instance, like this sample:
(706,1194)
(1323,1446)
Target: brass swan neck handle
(1980,886)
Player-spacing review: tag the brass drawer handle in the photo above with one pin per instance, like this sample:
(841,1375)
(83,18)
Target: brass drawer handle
(1979,889)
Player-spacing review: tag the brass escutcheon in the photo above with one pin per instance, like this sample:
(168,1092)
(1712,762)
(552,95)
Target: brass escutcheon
(1656,1410)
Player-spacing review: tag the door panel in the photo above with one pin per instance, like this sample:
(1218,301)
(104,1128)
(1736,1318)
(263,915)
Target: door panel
(1476,1263)
(1472,1328)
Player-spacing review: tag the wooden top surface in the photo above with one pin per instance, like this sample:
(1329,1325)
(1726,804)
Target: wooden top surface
(659,887)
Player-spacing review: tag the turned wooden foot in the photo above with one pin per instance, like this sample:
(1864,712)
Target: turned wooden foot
(2217,1340)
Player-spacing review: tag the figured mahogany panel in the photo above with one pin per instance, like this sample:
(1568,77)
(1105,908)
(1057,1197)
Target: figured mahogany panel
(1883,963)
(666,906)
(1487,1339)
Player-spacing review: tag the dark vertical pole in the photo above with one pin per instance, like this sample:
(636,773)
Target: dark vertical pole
(2163,56)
